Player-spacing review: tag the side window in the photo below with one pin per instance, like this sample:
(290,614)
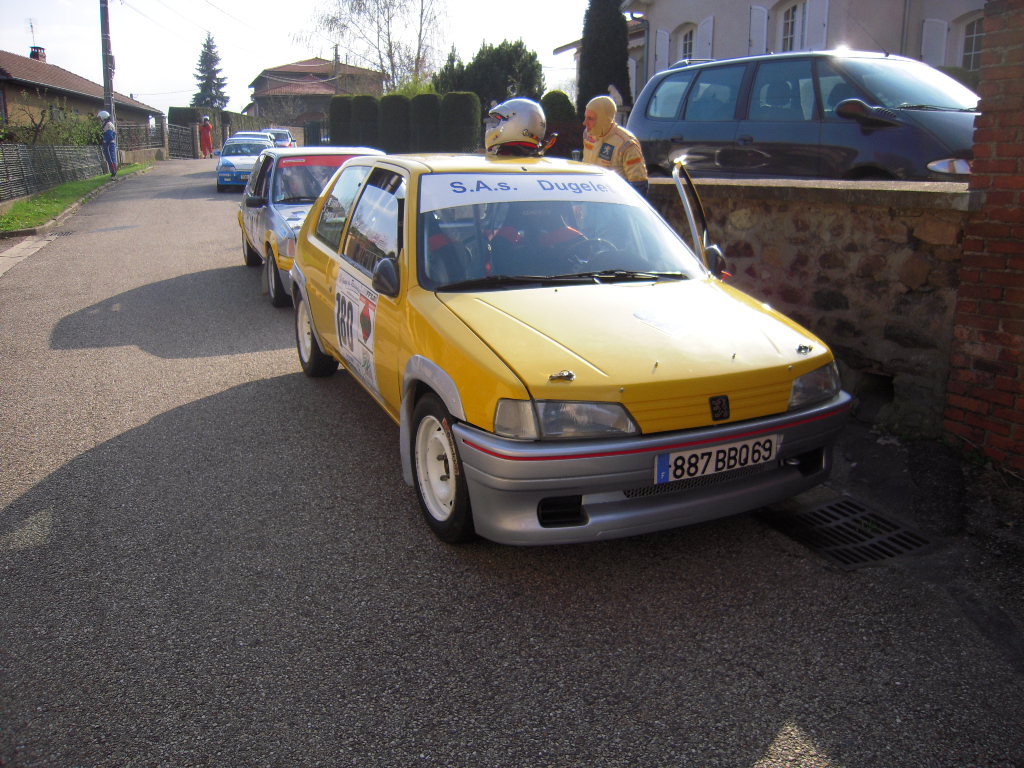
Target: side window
(834,88)
(713,97)
(262,174)
(664,104)
(783,91)
(376,231)
(335,210)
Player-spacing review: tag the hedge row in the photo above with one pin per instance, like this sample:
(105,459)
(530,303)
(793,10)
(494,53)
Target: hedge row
(395,123)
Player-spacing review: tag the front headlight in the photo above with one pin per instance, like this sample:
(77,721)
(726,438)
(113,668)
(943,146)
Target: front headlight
(227,165)
(561,420)
(820,384)
(954,165)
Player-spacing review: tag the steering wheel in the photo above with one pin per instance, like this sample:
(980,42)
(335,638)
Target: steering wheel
(583,252)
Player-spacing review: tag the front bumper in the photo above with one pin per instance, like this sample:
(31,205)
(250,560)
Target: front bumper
(232,178)
(566,492)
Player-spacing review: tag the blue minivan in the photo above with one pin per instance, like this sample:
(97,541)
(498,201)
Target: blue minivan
(828,114)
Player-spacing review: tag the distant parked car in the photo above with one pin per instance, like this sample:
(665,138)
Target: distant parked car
(266,135)
(829,114)
(237,158)
(282,137)
(284,184)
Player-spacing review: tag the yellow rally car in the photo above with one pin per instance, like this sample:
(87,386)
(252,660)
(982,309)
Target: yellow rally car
(563,367)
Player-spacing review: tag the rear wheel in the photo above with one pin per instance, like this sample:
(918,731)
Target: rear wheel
(439,480)
(250,255)
(275,289)
(314,362)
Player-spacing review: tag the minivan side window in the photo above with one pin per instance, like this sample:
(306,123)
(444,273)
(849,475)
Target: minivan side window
(713,97)
(834,89)
(336,208)
(665,102)
(783,91)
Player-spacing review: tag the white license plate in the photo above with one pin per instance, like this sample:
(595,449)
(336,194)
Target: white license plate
(712,459)
(243,176)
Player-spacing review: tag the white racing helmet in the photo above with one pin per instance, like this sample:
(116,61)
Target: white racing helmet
(103,114)
(521,127)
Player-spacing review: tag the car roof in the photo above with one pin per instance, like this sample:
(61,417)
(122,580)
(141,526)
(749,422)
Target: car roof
(248,140)
(320,150)
(460,163)
(838,53)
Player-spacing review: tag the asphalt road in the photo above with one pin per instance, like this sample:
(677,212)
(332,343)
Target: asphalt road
(207,559)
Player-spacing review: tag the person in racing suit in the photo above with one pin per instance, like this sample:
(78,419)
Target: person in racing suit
(608,144)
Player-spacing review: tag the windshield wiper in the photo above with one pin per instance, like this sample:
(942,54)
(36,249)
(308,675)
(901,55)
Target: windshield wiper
(499,281)
(303,199)
(935,108)
(629,274)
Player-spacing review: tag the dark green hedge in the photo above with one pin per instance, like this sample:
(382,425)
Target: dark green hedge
(340,121)
(425,122)
(461,129)
(395,133)
(366,120)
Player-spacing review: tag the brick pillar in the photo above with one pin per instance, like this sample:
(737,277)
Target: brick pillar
(985,396)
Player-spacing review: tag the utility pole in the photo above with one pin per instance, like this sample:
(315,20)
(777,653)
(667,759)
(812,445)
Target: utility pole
(108,61)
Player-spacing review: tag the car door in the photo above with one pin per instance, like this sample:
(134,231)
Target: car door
(706,135)
(250,214)
(366,322)
(781,132)
(319,260)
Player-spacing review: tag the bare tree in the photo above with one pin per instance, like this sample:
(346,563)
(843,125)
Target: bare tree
(395,37)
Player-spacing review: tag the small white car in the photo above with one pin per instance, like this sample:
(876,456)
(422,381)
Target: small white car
(236,159)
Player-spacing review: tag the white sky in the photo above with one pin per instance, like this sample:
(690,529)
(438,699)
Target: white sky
(156,43)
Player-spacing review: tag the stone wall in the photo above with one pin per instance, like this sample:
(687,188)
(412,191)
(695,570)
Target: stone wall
(870,267)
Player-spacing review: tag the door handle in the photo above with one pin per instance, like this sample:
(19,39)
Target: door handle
(744,140)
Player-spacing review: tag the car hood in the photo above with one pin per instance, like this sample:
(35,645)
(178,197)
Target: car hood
(653,346)
(293,214)
(953,129)
(240,162)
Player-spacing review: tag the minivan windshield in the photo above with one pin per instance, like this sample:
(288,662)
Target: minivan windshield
(898,83)
(501,231)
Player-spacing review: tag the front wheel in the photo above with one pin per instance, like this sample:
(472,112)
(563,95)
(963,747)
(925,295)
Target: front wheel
(275,288)
(314,362)
(439,480)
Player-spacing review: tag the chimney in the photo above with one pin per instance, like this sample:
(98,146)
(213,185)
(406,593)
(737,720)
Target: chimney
(38,53)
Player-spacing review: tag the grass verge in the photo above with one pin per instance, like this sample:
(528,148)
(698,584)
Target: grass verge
(39,209)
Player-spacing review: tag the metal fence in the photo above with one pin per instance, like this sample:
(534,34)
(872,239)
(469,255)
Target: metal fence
(136,136)
(26,169)
(181,142)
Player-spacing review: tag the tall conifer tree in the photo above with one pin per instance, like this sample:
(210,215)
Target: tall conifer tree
(211,84)
(604,53)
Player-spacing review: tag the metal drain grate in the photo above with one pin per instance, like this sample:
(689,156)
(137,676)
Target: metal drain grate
(848,533)
(61,234)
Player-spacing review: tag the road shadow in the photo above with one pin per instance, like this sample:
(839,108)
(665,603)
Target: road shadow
(248,575)
(200,314)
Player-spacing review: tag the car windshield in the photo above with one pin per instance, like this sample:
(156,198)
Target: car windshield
(480,231)
(302,179)
(896,83)
(244,148)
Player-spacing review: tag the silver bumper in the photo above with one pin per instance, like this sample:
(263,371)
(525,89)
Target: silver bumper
(571,492)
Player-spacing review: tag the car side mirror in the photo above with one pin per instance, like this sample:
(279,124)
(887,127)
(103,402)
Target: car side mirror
(216,153)
(255,201)
(385,278)
(716,261)
(859,111)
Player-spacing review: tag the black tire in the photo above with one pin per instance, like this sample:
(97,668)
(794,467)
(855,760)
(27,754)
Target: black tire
(437,471)
(250,255)
(275,288)
(221,188)
(313,360)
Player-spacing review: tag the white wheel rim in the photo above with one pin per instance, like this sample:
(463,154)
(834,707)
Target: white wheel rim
(270,277)
(434,465)
(305,331)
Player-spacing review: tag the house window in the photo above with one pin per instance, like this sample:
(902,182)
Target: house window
(686,44)
(973,38)
(793,26)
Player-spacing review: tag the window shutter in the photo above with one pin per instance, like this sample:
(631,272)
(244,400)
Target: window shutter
(933,42)
(758,40)
(703,46)
(816,31)
(661,61)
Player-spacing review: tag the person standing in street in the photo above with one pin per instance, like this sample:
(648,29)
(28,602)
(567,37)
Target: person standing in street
(206,138)
(608,144)
(109,140)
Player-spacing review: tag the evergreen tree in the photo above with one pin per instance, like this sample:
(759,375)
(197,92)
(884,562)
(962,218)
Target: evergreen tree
(604,53)
(496,73)
(211,84)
